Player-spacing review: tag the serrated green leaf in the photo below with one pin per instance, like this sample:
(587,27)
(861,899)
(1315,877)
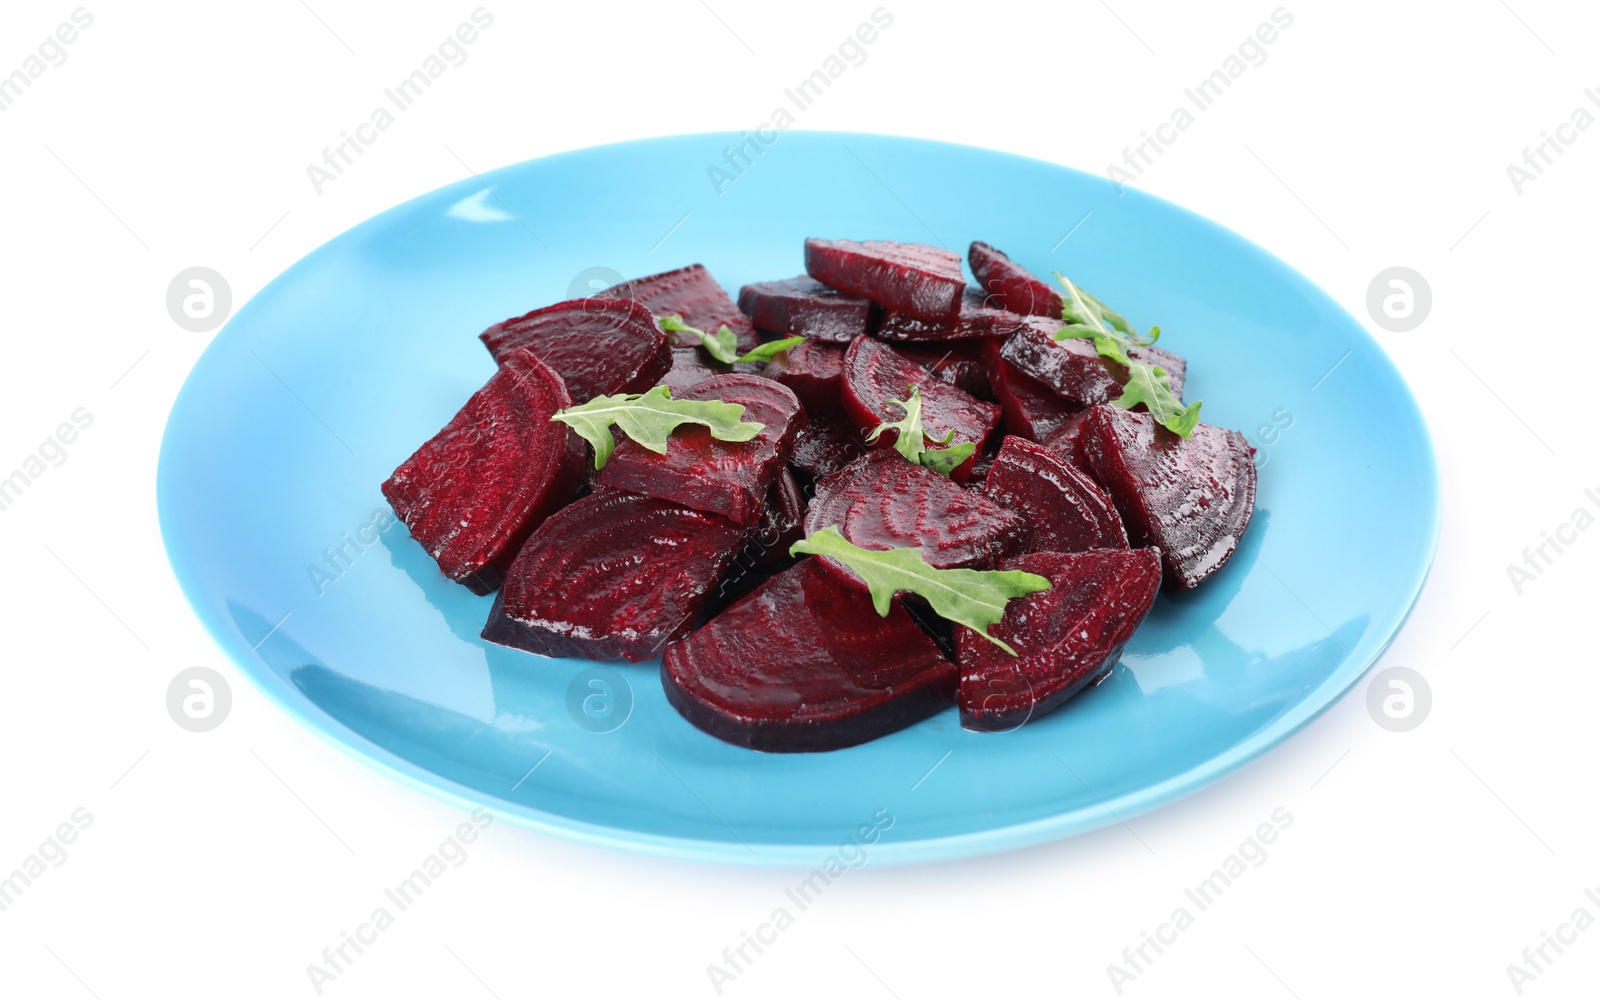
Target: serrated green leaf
(769,350)
(947,460)
(650,417)
(723,345)
(1087,316)
(1152,386)
(970,597)
(911,440)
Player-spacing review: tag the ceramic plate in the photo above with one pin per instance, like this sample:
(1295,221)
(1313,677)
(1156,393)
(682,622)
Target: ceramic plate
(336,371)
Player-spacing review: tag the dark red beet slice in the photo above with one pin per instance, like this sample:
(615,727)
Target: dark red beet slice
(815,371)
(875,374)
(945,363)
(1066,511)
(1011,286)
(782,520)
(1065,637)
(913,278)
(598,346)
(1192,498)
(805,307)
(883,501)
(1028,407)
(692,293)
(689,366)
(523,466)
(611,576)
(721,477)
(804,663)
(978,318)
(827,443)
(1072,368)
(1064,441)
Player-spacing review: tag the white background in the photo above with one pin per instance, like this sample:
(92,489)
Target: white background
(1376,134)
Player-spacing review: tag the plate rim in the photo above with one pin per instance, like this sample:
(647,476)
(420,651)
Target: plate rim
(994,840)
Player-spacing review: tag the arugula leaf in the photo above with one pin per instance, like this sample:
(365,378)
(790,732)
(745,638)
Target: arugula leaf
(1078,306)
(911,440)
(769,350)
(947,460)
(724,343)
(970,597)
(1087,316)
(1150,385)
(649,417)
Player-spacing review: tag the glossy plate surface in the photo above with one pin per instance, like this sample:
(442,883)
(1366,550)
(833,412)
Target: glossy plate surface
(337,370)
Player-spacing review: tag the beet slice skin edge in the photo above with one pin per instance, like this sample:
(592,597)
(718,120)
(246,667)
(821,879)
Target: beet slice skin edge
(804,663)
(1066,637)
(613,576)
(523,467)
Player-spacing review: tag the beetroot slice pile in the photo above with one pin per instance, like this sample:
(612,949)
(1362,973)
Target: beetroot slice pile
(684,555)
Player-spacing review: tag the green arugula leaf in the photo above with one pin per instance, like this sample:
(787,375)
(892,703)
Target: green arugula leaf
(947,460)
(723,345)
(911,440)
(1152,386)
(769,350)
(1087,316)
(650,417)
(1078,306)
(970,597)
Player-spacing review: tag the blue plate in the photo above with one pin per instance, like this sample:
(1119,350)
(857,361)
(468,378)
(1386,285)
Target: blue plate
(337,370)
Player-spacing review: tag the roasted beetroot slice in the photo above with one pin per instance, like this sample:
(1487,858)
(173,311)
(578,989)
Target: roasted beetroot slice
(978,318)
(913,278)
(1072,369)
(476,489)
(1064,441)
(1190,497)
(959,368)
(782,521)
(1011,286)
(883,501)
(1028,407)
(805,307)
(599,347)
(612,576)
(815,371)
(875,374)
(721,477)
(827,443)
(1066,511)
(691,365)
(804,663)
(1066,637)
(692,293)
